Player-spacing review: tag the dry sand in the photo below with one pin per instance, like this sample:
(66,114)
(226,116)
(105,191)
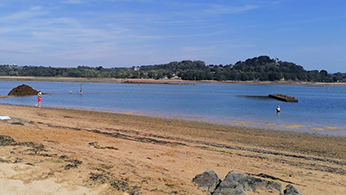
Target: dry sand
(87,152)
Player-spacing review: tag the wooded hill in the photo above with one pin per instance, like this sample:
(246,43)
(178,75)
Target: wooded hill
(261,68)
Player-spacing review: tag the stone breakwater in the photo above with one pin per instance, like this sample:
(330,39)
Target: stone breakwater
(236,183)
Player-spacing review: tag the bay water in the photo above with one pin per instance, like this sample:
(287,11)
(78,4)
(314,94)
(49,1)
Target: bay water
(321,108)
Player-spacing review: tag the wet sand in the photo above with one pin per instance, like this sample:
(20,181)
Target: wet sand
(88,152)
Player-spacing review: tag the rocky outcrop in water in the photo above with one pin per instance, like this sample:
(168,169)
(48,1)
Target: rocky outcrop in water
(236,183)
(23,90)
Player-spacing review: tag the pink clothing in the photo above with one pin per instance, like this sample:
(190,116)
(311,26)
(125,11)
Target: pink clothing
(39,97)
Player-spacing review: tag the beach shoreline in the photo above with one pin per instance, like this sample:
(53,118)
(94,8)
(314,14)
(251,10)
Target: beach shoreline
(157,155)
(318,130)
(155,81)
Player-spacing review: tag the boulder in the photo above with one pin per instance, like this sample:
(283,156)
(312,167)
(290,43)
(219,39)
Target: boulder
(23,90)
(250,183)
(291,190)
(229,187)
(207,181)
(236,183)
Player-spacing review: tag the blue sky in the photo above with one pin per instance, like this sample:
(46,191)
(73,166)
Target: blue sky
(122,33)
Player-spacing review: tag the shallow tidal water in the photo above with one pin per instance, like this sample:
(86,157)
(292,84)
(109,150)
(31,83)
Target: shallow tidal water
(321,109)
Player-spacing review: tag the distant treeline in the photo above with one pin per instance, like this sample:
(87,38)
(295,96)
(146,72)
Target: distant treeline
(261,68)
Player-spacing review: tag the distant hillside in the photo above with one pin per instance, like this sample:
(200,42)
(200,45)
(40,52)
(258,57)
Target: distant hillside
(261,68)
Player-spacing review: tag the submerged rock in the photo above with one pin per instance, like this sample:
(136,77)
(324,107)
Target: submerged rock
(207,181)
(23,90)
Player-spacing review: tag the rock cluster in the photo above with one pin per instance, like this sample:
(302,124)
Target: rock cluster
(236,183)
(23,90)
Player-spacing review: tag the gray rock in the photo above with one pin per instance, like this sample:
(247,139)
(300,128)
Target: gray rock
(207,181)
(229,187)
(236,183)
(291,190)
(250,183)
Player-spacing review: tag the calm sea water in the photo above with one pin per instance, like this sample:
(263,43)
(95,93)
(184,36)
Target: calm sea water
(321,109)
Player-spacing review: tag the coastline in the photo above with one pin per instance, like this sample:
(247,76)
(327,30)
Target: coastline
(154,81)
(160,155)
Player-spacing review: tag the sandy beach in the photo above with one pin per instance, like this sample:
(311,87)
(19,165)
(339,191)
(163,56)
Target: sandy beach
(65,151)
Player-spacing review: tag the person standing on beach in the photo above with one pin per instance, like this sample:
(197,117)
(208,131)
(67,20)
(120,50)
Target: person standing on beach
(39,98)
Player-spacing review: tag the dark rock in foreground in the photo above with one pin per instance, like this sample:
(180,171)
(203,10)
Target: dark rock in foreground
(250,183)
(23,90)
(290,190)
(236,183)
(229,187)
(207,181)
